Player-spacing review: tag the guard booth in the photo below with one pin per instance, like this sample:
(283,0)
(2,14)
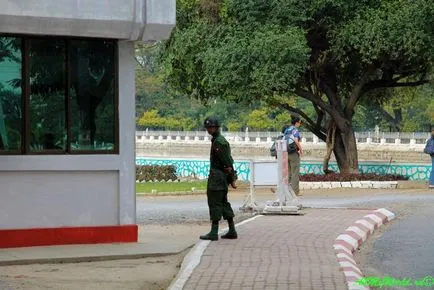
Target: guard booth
(67,117)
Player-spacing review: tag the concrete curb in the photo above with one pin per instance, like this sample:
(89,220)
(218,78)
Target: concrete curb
(349,184)
(408,184)
(176,193)
(86,259)
(192,259)
(352,238)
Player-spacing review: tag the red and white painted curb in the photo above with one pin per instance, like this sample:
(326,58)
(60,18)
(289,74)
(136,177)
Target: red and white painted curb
(353,237)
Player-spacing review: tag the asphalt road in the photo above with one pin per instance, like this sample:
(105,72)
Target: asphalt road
(169,210)
(172,209)
(405,248)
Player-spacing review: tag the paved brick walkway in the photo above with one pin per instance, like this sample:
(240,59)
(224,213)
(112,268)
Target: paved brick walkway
(278,252)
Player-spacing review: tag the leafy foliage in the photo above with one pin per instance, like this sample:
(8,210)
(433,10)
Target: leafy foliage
(151,119)
(333,54)
(401,109)
(258,120)
(156,173)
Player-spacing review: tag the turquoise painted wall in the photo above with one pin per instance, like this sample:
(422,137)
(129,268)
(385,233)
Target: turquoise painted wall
(200,168)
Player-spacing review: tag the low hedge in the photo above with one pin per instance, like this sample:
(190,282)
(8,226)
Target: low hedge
(156,173)
(344,177)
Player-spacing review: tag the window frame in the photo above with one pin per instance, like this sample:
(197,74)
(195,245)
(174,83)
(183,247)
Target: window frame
(25,97)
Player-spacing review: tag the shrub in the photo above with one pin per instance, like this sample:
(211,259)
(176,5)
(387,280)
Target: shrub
(339,177)
(156,172)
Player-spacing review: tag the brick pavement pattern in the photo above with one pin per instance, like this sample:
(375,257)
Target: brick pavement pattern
(276,253)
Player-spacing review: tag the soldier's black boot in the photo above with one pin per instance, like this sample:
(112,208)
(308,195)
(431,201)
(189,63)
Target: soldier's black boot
(213,235)
(232,233)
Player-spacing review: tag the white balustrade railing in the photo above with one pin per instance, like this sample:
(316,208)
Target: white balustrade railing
(380,138)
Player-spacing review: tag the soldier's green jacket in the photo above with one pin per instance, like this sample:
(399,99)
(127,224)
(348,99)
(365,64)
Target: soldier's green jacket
(222,172)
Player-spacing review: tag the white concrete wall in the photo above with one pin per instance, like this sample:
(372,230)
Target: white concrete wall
(160,19)
(62,190)
(141,20)
(81,190)
(38,191)
(127,125)
(58,199)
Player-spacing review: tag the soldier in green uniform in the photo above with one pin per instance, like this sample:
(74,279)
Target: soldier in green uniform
(221,175)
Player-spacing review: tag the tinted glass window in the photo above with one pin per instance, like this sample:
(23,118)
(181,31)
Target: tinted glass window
(57,95)
(92,95)
(10,94)
(47,67)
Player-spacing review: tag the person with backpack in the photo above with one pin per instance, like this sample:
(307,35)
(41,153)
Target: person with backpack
(295,150)
(429,149)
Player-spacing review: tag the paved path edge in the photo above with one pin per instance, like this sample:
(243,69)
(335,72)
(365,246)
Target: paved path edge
(85,259)
(353,237)
(192,259)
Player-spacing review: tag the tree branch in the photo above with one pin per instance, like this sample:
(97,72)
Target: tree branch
(356,93)
(320,115)
(410,84)
(297,111)
(315,100)
(335,114)
(310,124)
(330,94)
(393,83)
(392,120)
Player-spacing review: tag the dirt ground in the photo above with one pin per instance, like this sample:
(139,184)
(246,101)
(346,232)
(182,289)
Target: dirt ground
(154,273)
(141,274)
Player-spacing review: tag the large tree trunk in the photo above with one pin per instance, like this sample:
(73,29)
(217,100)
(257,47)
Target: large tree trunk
(345,150)
(344,141)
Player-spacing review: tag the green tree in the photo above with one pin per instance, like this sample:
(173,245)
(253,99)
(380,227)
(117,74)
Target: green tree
(405,109)
(333,54)
(151,119)
(259,120)
(430,111)
(188,124)
(173,124)
(281,120)
(234,125)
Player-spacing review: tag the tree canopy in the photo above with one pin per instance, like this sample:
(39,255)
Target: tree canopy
(334,54)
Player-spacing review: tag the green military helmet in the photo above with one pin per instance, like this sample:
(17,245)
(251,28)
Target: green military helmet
(211,122)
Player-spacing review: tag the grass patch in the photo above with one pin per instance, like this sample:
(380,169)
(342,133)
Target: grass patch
(147,187)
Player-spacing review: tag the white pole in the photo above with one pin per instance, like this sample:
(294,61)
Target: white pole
(286,194)
(279,148)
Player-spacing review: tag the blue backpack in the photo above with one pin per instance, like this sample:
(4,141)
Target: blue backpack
(291,146)
(429,148)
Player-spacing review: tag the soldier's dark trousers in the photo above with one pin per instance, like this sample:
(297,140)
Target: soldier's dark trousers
(218,205)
